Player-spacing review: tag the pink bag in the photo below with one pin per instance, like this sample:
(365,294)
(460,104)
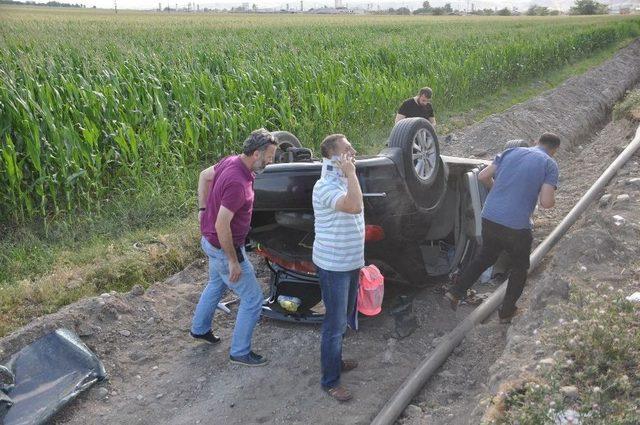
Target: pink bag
(370,290)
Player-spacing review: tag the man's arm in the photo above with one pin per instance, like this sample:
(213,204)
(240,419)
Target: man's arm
(399,117)
(486,175)
(350,203)
(223,230)
(204,185)
(432,120)
(547,198)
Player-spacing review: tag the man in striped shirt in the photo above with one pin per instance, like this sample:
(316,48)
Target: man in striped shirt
(338,253)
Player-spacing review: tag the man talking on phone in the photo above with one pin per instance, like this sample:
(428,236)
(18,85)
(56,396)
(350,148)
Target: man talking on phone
(225,196)
(338,253)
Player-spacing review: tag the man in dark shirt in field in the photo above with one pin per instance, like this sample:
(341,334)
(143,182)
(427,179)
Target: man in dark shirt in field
(518,178)
(225,195)
(418,106)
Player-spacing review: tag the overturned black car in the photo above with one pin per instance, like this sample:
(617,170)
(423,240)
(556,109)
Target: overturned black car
(422,214)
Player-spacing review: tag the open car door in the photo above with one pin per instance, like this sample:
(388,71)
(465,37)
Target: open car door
(477,193)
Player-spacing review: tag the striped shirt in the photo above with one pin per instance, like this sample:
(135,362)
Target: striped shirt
(339,240)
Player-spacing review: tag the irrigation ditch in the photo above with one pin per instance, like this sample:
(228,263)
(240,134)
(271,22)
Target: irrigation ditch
(157,374)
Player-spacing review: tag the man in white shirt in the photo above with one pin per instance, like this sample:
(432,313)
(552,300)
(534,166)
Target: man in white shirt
(338,253)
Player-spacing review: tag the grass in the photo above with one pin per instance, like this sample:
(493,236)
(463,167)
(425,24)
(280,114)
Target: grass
(72,271)
(28,251)
(122,136)
(598,352)
(629,108)
(45,268)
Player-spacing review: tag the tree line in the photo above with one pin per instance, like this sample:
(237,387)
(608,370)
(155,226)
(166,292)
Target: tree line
(580,7)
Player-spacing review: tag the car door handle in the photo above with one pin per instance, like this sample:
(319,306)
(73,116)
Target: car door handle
(375,195)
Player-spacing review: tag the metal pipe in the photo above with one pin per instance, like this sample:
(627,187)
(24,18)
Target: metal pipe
(419,377)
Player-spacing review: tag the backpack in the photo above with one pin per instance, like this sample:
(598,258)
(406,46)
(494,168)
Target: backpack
(370,290)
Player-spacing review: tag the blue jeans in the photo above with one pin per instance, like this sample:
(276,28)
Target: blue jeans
(247,289)
(339,290)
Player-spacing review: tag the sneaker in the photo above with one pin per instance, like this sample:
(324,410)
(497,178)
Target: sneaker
(453,300)
(255,355)
(251,359)
(209,337)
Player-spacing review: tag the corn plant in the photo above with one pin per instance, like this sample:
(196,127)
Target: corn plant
(93,104)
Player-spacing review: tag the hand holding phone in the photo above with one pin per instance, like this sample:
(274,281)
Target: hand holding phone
(347,164)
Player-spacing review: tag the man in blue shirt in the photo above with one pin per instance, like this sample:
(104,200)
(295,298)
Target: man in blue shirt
(518,178)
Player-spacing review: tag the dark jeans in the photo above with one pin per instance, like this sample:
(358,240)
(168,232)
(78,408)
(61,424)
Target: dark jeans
(495,239)
(339,290)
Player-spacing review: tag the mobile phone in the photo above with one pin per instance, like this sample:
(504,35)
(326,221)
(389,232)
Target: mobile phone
(239,254)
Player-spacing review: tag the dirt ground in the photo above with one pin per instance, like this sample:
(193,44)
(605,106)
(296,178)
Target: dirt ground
(157,374)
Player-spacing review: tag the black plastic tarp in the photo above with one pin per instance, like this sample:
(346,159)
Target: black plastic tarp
(48,374)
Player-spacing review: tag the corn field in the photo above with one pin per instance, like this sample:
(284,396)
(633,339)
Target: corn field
(93,104)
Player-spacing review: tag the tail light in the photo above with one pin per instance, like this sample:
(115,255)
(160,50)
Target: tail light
(306,267)
(373,233)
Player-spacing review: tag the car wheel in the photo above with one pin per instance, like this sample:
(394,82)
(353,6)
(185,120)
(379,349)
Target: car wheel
(425,174)
(286,140)
(516,143)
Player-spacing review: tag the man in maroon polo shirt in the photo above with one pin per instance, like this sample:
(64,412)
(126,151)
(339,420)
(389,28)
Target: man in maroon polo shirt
(225,195)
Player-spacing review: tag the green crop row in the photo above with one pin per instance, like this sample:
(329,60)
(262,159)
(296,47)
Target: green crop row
(92,104)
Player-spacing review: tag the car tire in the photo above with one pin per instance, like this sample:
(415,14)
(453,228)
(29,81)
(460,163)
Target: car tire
(286,140)
(516,143)
(424,171)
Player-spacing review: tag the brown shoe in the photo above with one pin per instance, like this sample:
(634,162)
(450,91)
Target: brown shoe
(340,393)
(453,300)
(349,364)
